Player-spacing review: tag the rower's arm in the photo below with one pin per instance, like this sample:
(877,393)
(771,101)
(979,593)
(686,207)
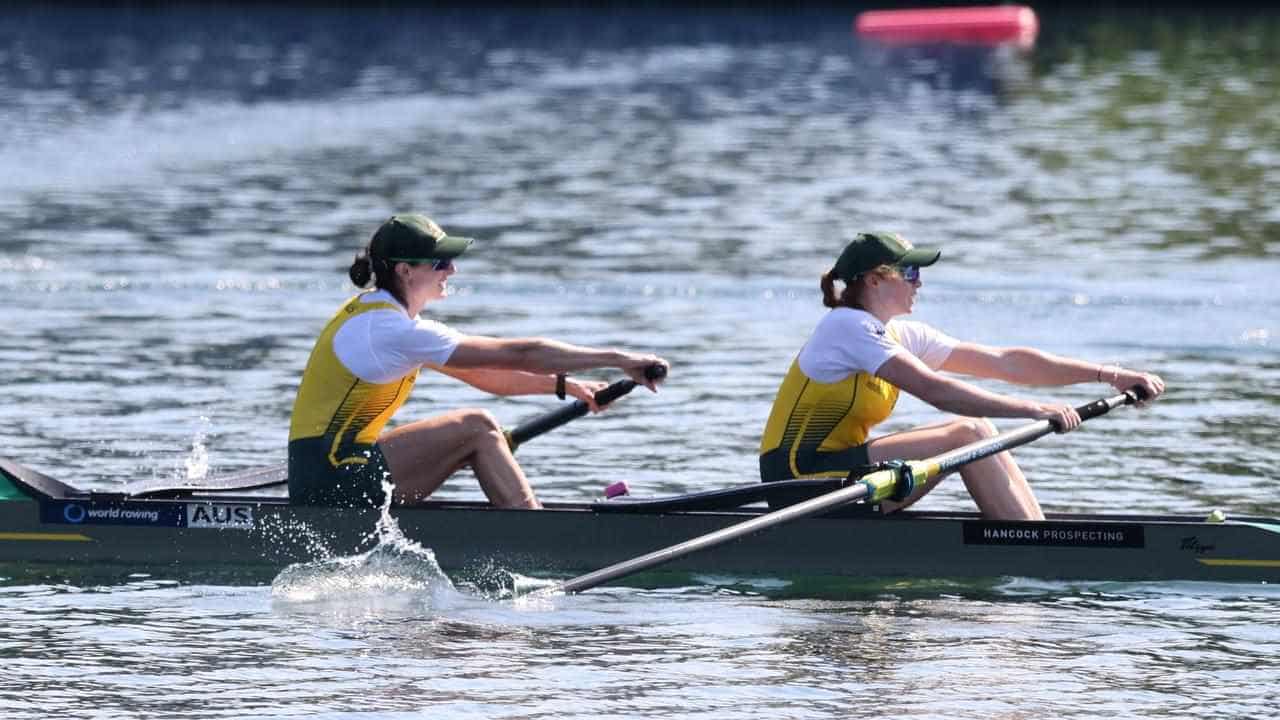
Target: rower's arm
(1020,365)
(953,395)
(538,355)
(501,382)
(543,356)
(1028,366)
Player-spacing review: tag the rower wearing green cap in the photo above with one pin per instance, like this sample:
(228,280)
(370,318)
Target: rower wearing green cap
(846,380)
(365,363)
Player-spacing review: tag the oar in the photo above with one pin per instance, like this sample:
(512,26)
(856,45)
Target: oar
(892,483)
(276,475)
(554,419)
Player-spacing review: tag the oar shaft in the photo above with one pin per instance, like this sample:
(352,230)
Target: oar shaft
(556,418)
(1008,440)
(875,486)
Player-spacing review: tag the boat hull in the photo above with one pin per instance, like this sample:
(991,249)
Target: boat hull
(564,539)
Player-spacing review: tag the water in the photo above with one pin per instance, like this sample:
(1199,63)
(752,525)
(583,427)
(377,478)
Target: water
(155,649)
(182,188)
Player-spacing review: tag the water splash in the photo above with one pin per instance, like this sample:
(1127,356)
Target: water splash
(493,582)
(397,574)
(197,462)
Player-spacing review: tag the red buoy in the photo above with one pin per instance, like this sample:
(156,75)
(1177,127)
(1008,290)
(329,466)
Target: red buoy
(1014,24)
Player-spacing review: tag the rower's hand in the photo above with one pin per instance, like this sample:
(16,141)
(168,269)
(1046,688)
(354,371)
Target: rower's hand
(646,370)
(1150,384)
(1064,418)
(585,390)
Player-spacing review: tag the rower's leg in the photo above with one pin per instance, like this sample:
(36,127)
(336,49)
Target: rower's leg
(996,483)
(423,454)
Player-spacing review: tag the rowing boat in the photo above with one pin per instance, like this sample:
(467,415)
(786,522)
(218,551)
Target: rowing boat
(43,520)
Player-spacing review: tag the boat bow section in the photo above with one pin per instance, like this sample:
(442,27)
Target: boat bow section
(19,482)
(43,520)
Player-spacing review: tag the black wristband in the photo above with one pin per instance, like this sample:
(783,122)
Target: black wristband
(560,385)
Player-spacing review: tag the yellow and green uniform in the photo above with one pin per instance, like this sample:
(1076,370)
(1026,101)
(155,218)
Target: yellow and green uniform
(340,411)
(818,429)
(831,398)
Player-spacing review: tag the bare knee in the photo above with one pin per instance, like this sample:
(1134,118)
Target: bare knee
(967,430)
(482,425)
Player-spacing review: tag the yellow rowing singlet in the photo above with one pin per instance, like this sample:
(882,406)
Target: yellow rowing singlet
(817,429)
(334,404)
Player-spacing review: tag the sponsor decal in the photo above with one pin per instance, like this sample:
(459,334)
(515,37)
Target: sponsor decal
(1194,544)
(111,513)
(159,514)
(229,517)
(74,513)
(1051,534)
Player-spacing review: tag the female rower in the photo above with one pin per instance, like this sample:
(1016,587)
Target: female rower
(846,380)
(365,363)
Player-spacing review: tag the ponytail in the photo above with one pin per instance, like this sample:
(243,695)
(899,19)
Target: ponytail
(380,271)
(848,297)
(361,271)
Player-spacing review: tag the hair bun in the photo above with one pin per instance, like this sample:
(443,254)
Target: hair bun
(361,270)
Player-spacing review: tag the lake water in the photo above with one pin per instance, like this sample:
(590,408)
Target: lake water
(182,189)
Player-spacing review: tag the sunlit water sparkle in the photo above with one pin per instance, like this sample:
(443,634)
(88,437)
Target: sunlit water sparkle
(181,190)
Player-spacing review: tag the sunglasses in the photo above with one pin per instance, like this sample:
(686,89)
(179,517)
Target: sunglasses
(435,263)
(910,273)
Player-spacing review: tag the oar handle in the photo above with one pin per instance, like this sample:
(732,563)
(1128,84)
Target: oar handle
(1102,406)
(550,421)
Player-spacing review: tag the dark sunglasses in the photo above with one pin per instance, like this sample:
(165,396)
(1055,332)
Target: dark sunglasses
(910,273)
(435,263)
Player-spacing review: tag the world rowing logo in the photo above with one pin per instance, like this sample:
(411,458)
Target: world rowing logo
(77,513)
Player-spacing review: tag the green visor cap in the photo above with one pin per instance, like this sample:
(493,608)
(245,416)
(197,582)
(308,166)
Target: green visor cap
(870,250)
(413,238)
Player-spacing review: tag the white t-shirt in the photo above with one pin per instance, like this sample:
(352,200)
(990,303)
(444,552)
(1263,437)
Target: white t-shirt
(383,345)
(847,341)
